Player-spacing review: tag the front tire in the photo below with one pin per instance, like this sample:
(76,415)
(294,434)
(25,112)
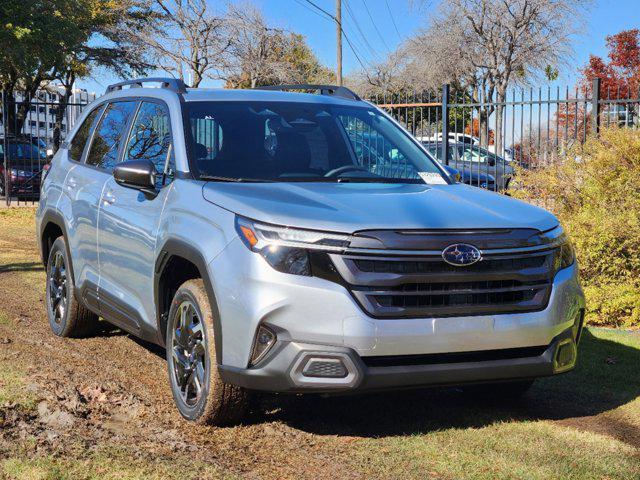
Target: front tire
(67,317)
(198,390)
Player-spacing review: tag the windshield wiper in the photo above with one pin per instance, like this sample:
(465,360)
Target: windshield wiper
(215,178)
(379,180)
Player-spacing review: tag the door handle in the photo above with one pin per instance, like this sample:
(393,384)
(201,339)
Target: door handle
(109,198)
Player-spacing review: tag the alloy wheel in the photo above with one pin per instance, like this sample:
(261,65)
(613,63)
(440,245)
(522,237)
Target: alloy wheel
(57,286)
(188,353)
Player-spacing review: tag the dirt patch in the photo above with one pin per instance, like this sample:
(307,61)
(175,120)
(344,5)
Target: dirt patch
(112,390)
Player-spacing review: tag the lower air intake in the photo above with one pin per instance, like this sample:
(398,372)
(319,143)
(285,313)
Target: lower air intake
(325,368)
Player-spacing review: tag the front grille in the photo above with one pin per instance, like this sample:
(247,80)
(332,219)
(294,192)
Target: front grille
(396,287)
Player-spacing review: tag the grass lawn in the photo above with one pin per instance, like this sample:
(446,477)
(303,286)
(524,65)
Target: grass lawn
(585,424)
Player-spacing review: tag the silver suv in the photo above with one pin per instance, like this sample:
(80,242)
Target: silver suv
(296,242)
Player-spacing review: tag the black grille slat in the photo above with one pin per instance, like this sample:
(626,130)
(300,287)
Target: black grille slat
(437,265)
(400,287)
(454,288)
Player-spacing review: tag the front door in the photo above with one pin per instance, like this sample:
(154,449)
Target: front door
(128,225)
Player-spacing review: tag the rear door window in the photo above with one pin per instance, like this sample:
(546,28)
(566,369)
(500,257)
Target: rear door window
(80,139)
(106,140)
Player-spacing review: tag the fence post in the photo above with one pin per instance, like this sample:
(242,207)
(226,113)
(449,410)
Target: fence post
(4,106)
(595,106)
(445,123)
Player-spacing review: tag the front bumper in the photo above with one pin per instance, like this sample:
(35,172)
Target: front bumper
(313,316)
(285,373)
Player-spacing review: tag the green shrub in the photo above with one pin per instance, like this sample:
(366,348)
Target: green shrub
(595,192)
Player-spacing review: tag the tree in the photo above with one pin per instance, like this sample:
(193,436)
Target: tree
(62,40)
(620,75)
(185,39)
(259,54)
(484,46)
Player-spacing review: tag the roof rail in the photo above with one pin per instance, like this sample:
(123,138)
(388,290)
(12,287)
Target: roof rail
(332,90)
(174,84)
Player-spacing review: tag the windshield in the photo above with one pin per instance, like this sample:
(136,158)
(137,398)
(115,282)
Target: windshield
(297,142)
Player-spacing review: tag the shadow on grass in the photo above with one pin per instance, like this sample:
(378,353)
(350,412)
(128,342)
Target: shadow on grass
(607,376)
(21,267)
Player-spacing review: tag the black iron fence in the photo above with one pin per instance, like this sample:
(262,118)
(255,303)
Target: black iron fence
(480,138)
(32,127)
(484,138)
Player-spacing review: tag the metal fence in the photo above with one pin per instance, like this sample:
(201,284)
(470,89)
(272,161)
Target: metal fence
(32,127)
(478,138)
(483,139)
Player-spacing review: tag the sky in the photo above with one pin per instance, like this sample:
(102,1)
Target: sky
(376,27)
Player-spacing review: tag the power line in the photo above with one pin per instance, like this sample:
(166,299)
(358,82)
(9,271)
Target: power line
(322,10)
(315,12)
(364,2)
(354,19)
(393,19)
(346,37)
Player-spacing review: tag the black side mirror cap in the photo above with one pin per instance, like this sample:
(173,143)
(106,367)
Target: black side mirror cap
(137,174)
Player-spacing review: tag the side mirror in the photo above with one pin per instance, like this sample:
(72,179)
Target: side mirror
(138,174)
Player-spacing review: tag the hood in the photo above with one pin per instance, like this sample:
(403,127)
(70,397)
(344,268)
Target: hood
(349,207)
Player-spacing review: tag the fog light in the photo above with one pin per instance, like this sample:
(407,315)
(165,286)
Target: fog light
(325,368)
(263,342)
(565,357)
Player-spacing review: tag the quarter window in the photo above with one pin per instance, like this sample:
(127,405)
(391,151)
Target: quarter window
(106,141)
(151,139)
(80,139)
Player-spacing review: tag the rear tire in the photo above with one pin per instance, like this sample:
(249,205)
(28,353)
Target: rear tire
(67,317)
(198,390)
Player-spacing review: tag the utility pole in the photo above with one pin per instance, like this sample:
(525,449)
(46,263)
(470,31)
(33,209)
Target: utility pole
(339,41)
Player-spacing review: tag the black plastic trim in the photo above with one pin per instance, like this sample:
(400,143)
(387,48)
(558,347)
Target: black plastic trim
(453,357)
(115,311)
(273,376)
(56,218)
(176,247)
(174,84)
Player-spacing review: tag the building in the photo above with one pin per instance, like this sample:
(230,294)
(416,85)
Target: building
(41,118)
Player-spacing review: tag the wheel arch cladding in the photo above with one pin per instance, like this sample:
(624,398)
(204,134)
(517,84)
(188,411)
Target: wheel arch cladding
(52,227)
(177,262)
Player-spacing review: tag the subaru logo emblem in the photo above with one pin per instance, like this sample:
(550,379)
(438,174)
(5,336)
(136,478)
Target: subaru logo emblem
(461,254)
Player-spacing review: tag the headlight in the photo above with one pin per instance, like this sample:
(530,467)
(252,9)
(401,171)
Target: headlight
(557,238)
(287,249)
(566,256)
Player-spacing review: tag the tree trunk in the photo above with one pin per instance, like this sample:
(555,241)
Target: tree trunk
(8,109)
(60,113)
(483,118)
(499,134)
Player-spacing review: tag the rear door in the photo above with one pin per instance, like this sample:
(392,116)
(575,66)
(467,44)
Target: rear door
(86,182)
(129,221)
(82,188)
